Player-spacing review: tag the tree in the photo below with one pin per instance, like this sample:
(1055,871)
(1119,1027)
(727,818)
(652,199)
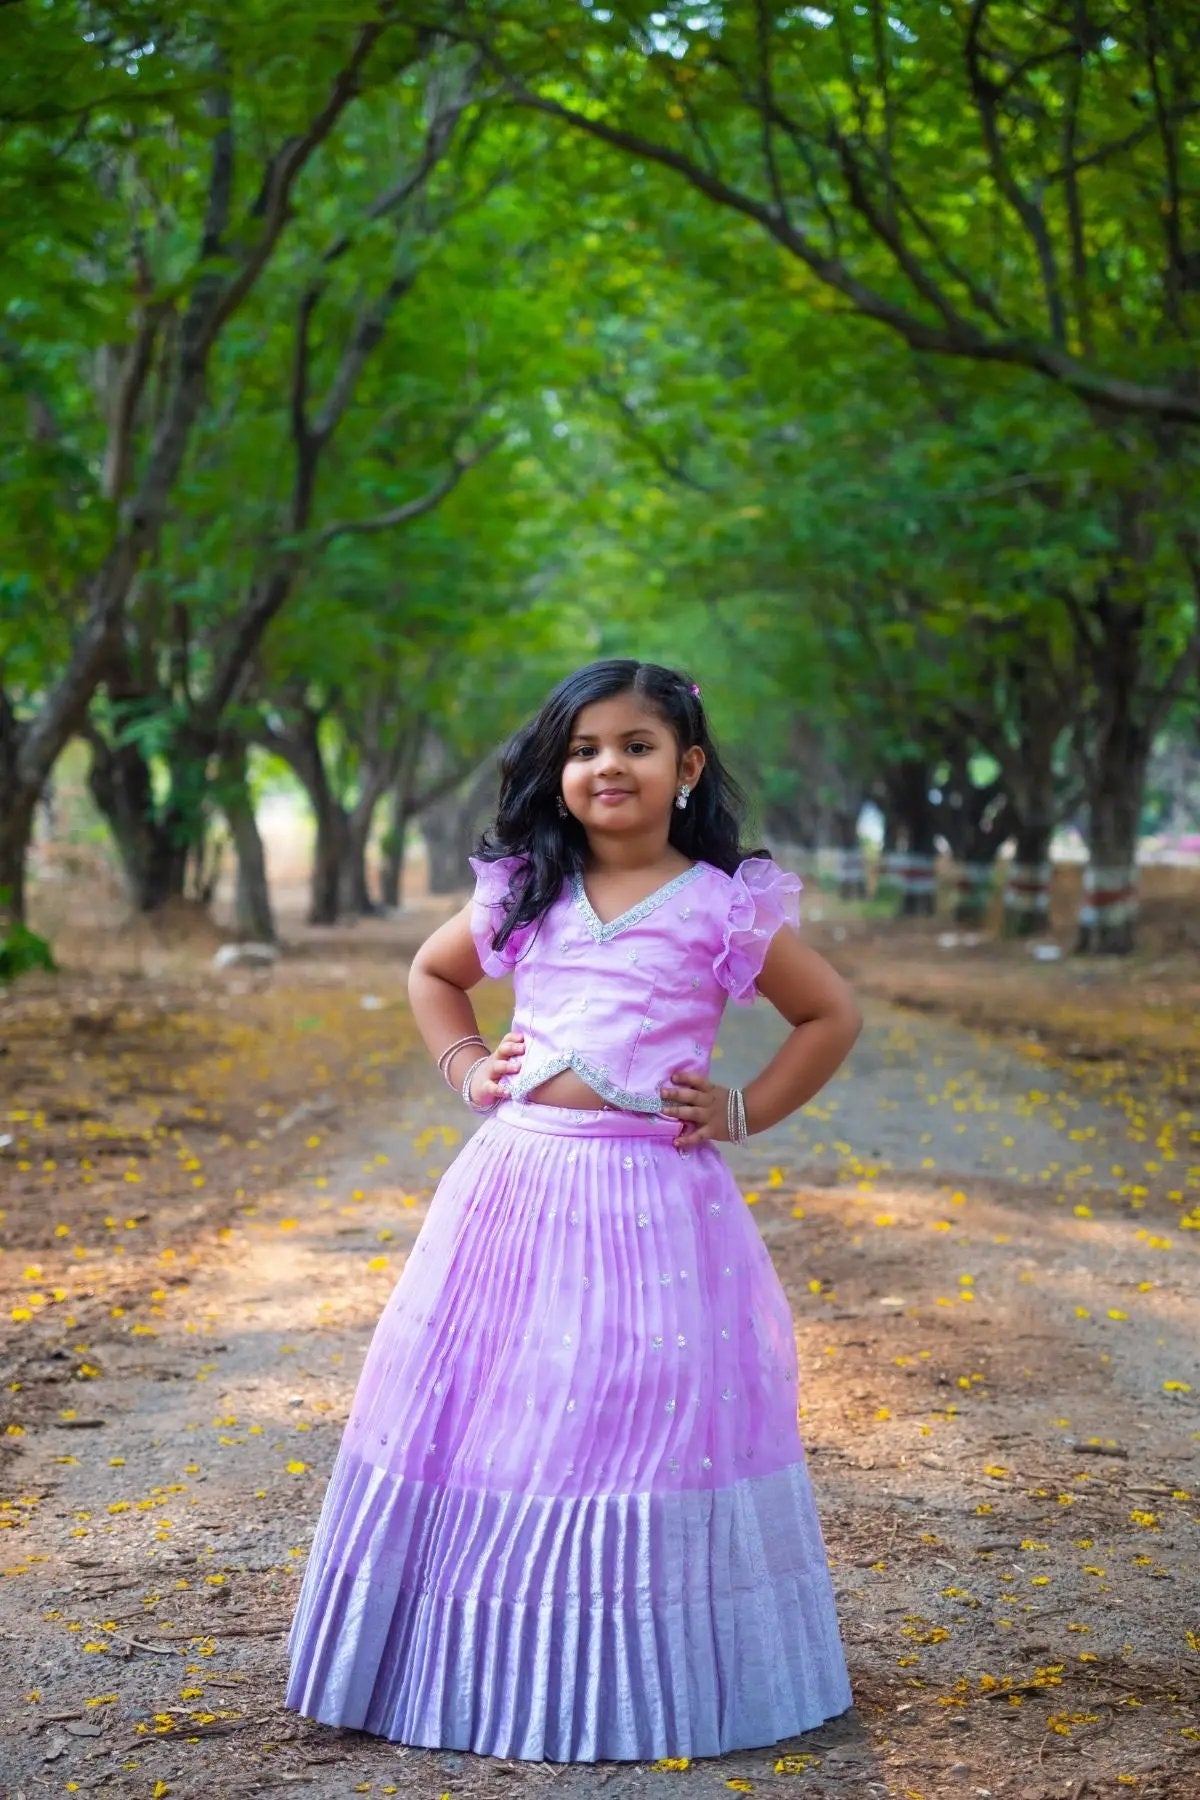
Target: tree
(975,183)
(976,180)
(165,282)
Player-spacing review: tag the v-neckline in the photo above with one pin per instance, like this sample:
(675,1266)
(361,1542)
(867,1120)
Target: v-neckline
(601,930)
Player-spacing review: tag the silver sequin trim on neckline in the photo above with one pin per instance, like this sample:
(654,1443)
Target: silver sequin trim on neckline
(602,932)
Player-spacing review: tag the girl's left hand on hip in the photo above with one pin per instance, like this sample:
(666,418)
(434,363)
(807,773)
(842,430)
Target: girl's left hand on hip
(699,1104)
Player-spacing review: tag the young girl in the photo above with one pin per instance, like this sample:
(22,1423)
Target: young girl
(570,1517)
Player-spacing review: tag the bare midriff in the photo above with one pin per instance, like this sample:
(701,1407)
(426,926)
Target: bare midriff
(566,1089)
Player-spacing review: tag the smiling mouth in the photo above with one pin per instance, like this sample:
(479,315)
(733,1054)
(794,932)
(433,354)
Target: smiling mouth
(613,793)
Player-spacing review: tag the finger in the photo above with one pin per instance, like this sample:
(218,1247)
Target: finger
(691,1092)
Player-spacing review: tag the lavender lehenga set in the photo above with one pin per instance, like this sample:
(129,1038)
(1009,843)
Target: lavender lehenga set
(570,1517)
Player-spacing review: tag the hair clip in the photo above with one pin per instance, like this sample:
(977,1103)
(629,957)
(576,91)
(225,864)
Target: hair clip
(696,690)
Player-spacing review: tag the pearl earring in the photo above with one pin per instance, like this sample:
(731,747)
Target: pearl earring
(562,811)
(681,798)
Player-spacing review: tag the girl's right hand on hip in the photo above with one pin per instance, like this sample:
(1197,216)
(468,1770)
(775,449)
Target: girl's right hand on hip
(505,1060)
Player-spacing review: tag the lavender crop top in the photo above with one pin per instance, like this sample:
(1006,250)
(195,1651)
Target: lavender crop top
(625,1003)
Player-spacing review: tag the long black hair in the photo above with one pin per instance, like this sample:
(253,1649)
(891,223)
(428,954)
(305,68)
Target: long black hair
(528,824)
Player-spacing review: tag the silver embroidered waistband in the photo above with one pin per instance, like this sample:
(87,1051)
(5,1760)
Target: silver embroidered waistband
(596,1077)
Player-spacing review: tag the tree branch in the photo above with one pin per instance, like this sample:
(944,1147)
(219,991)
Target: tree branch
(1115,392)
(437,141)
(640,435)
(272,206)
(411,509)
(986,94)
(1116,146)
(372,318)
(310,436)
(762,34)
(1074,200)
(886,228)
(130,386)
(301,372)
(1172,217)
(446,784)
(368,329)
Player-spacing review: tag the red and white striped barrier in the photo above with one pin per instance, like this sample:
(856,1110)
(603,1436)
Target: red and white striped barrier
(972,880)
(1110,896)
(851,870)
(1027,889)
(916,874)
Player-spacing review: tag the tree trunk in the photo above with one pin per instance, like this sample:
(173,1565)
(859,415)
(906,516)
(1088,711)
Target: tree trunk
(152,850)
(975,820)
(325,891)
(392,874)
(403,811)
(354,887)
(792,822)
(975,874)
(973,886)
(1035,701)
(299,744)
(375,778)
(887,886)
(448,839)
(1027,881)
(252,904)
(1106,918)
(16,830)
(253,911)
(450,827)
(1116,735)
(851,871)
(913,868)
(29,751)
(231,259)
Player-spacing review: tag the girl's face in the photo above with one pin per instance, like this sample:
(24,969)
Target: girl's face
(623,767)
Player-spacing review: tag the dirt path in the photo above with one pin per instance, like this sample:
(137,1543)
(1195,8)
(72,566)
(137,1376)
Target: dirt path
(996,1313)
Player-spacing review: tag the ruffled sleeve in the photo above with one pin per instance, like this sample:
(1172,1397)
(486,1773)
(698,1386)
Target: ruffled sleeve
(762,897)
(489,904)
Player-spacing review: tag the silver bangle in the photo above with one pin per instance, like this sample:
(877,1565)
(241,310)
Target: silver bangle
(465,1090)
(471,1037)
(451,1051)
(735,1117)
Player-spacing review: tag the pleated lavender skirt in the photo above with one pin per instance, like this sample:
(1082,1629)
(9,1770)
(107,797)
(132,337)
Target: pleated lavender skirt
(570,1517)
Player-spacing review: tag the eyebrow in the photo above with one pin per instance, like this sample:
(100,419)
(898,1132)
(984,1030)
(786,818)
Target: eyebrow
(586,737)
